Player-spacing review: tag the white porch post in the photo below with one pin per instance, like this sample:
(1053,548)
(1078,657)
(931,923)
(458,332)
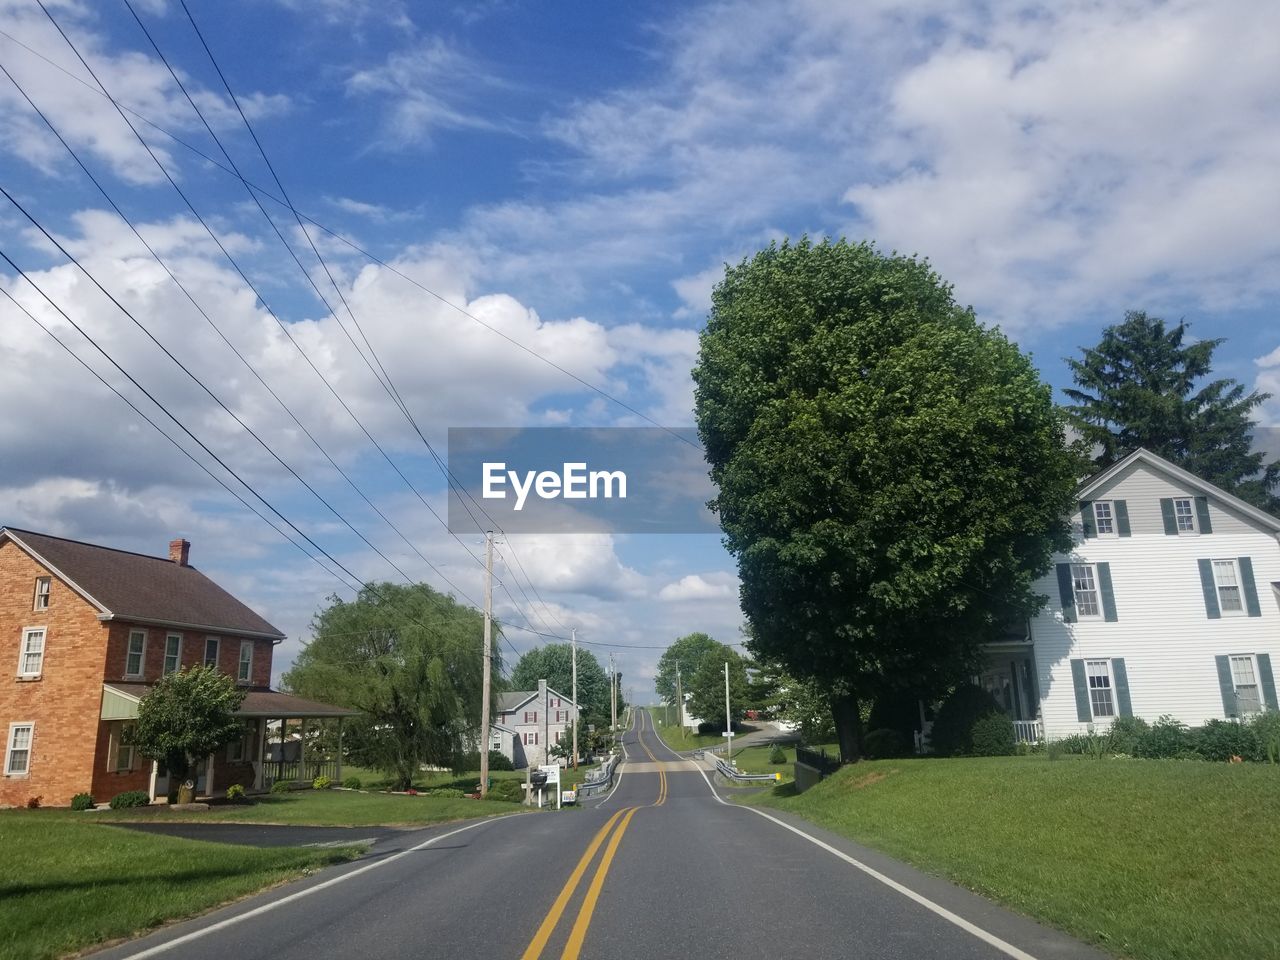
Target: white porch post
(155,771)
(339,776)
(259,768)
(302,751)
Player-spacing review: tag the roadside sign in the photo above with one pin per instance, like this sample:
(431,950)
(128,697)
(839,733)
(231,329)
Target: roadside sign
(569,796)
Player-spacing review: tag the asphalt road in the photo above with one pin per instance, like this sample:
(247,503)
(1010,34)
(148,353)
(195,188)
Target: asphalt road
(661,867)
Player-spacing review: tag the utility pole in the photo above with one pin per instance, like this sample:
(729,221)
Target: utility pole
(488,656)
(728,722)
(573,639)
(613,695)
(679,703)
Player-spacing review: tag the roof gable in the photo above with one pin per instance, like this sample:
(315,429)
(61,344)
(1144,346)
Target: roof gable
(515,699)
(133,586)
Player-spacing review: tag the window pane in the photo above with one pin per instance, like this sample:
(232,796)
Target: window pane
(211,652)
(133,662)
(1103,518)
(33,652)
(1186,515)
(172,654)
(1100,696)
(1085,590)
(1224,573)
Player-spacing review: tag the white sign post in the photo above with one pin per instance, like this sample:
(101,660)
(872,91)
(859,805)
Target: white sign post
(553,777)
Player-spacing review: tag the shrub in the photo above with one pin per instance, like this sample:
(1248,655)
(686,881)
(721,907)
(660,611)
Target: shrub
(281,786)
(1167,739)
(235,793)
(1126,733)
(452,792)
(130,798)
(510,790)
(952,734)
(777,755)
(992,736)
(1223,739)
(352,783)
(1266,728)
(33,803)
(470,762)
(321,783)
(82,801)
(708,727)
(884,744)
(1076,744)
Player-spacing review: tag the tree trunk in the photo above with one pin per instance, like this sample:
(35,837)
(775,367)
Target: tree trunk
(187,794)
(848,720)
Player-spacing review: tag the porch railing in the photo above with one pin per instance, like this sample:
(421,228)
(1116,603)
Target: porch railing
(299,770)
(1028,731)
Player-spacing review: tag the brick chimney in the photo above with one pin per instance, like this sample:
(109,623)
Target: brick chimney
(179,551)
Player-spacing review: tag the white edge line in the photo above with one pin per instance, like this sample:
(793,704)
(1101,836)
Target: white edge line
(608,796)
(274,904)
(989,938)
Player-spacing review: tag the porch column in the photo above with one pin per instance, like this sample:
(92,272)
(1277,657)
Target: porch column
(261,766)
(302,751)
(339,776)
(280,770)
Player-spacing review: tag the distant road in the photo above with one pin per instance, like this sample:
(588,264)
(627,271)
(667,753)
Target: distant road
(662,867)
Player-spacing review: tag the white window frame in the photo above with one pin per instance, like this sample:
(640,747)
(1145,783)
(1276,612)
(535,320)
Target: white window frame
(27,633)
(123,749)
(1109,519)
(42,595)
(1252,660)
(164,667)
(1089,666)
(1239,587)
(1194,529)
(142,654)
(244,675)
(217,651)
(238,750)
(531,738)
(1077,591)
(30,727)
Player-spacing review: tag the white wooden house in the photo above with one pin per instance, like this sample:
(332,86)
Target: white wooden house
(1168,603)
(530,722)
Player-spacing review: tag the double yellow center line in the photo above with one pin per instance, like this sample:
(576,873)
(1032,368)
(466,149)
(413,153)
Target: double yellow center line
(573,947)
(662,772)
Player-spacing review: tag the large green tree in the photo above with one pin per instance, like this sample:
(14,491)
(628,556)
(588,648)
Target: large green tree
(706,686)
(684,654)
(1144,385)
(554,663)
(892,477)
(184,718)
(410,659)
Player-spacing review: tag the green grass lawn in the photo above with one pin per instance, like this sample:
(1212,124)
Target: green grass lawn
(377,780)
(678,738)
(1167,860)
(326,808)
(756,760)
(67,882)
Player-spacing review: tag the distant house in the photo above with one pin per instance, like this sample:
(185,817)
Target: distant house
(90,629)
(1167,603)
(530,722)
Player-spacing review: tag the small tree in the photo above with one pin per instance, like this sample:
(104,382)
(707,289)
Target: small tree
(185,717)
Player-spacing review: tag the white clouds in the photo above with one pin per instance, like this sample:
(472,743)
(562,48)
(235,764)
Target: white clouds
(696,587)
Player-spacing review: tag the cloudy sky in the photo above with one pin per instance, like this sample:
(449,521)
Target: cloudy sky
(568,179)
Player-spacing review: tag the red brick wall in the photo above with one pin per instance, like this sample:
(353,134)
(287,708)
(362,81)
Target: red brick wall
(66,701)
(192,651)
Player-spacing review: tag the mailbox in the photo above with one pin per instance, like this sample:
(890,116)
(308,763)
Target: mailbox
(538,778)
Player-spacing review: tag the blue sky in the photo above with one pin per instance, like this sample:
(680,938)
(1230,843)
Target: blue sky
(577,177)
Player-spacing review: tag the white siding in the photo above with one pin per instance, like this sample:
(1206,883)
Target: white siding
(1163,632)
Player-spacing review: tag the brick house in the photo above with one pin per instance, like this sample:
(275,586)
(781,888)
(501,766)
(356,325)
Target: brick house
(88,630)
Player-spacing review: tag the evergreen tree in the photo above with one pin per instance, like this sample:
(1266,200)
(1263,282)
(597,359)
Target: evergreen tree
(1143,386)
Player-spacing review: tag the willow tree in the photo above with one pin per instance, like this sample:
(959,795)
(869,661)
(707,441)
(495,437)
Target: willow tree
(410,659)
(891,476)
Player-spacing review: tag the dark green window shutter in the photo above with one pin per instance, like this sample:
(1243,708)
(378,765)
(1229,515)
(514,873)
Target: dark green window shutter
(1268,681)
(1166,513)
(1210,590)
(1250,588)
(1084,712)
(1124,706)
(1122,518)
(1202,515)
(1087,518)
(1066,593)
(1227,684)
(1108,593)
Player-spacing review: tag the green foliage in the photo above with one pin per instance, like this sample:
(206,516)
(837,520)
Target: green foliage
(510,790)
(1141,386)
(1223,739)
(706,686)
(892,477)
(807,704)
(896,710)
(188,715)
(235,793)
(453,792)
(992,736)
(554,663)
(952,734)
(281,786)
(885,744)
(1266,727)
(470,762)
(130,798)
(1125,733)
(1167,738)
(777,754)
(82,801)
(352,783)
(321,783)
(686,653)
(407,658)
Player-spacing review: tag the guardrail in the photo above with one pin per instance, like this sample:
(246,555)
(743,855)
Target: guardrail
(736,776)
(598,781)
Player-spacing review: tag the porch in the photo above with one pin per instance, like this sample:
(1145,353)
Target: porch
(1009,675)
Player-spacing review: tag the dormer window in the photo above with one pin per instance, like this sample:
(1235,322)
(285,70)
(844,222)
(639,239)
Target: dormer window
(1184,513)
(1104,518)
(42,592)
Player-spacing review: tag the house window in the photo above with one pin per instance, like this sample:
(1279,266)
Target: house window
(1101,698)
(172,653)
(238,749)
(32,660)
(1184,512)
(531,716)
(17,757)
(42,593)
(1245,678)
(1226,578)
(245,670)
(1104,518)
(133,658)
(1084,582)
(531,739)
(562,716)
(555,702)
(211,652)
(124,748)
